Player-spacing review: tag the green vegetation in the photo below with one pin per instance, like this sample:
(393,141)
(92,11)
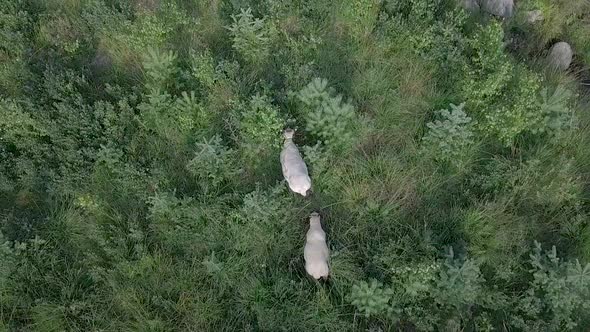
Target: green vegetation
(141,189)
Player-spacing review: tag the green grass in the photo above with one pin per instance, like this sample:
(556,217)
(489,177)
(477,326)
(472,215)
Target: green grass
(141,190)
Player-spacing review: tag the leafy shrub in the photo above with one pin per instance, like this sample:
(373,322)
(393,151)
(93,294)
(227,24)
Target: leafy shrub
(261,123)
(327,116)
(117,183)
(503,95)
(14,27)
(213,164)
(260,131)
(435,33)
(176,224)
(21,136)
(361,15)
(557,115)
(127,40)
(260,235)
(490,69)
(431,295)
(159,68)
(559,289)
(176,118)
(318,162)
(7,260)
(67,154)
(296,59)
(508,121)
(203,69)
(190,113)
(371,298)
(147,31)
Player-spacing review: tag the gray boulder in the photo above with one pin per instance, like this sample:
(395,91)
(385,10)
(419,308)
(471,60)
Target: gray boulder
(560,56)
(470,5)
(102,62)
(502,8)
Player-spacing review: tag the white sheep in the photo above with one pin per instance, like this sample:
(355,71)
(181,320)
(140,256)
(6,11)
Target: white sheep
(294,168)
(316,252)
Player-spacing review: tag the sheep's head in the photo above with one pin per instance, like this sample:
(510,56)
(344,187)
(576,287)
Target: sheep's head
(307,193)
(289,133)
(314,218)
(301,185)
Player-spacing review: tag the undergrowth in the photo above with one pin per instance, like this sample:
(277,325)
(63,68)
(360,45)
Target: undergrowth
(140,184)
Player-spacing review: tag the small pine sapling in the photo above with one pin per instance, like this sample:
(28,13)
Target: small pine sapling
(450,134)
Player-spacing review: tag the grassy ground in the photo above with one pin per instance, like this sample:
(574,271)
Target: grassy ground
(141,190)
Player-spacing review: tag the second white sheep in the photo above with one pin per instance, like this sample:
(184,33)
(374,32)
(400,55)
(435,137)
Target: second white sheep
(316,252)
(294,168)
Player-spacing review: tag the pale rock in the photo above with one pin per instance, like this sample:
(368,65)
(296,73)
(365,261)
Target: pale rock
(470,5)
(502,8)
(534,16)
(316,252)
(148,6)
(294,168)
(560,56)
(101,62)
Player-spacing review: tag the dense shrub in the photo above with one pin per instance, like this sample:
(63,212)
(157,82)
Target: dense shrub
(251,36)
(213,164)
(450,135)
(565,20)
(260,127)
(559,289)
(327,117)
(14,28)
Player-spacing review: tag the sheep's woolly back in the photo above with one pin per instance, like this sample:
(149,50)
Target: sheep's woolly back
(316,252)
(289,133)
(293,166)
